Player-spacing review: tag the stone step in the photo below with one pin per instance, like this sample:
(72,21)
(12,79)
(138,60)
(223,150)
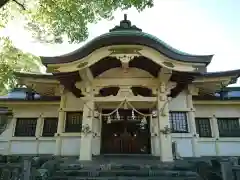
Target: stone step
(78,166)
(123,178)
(140,173)
(124,164)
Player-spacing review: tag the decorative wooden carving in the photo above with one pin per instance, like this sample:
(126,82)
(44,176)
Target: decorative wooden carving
(68,80)
(168,64)
(86,91)
(82,65)
(125,91)
(170,86)
(125,55)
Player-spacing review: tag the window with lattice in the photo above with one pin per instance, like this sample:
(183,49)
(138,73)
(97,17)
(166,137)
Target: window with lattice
(203,127)
(178,122)
(3,122)
(25,127)
(73,122)
(49,127)
(228,127)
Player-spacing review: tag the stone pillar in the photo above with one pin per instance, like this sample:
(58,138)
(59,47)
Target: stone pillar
(215,133)
(86,139)
(61,120)
(192,123)
(165,140)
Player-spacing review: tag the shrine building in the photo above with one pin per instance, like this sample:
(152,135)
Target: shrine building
(124,92)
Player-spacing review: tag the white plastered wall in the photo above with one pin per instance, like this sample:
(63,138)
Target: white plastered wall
(221,146)
(183,140)
(71,141)
(70,145)
(28,145)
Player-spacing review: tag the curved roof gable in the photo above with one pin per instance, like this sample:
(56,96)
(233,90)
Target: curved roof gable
(127,34)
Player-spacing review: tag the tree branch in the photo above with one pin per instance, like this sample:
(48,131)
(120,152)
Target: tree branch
(19,4)
(3,2)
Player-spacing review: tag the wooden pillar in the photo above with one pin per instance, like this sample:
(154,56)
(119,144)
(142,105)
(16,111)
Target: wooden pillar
(61,120)
(215,133)
(86,139)
(38,132)
(155,136)
(192,123)
(11,133)
(165,140)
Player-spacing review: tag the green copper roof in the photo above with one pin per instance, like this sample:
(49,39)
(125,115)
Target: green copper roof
(140,33)
(127,34)
(126,27)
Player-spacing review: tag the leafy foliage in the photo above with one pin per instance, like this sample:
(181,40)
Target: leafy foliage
(71,17)
(50,21)
(12,60)
(3,2)
(9,10)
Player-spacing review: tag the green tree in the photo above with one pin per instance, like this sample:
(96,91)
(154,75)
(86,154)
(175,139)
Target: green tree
(12,60)
(71,17)
(19,3)
(50,21)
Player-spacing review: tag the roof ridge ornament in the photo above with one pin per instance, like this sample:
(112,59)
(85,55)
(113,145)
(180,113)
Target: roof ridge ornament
(125,25)
(125,17)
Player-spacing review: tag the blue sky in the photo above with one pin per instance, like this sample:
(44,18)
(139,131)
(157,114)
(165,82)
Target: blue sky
(193,26)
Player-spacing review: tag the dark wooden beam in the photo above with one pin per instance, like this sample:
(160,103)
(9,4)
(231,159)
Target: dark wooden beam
(68,80)
(146,65)
(178,89)
(104,65)
(182,79)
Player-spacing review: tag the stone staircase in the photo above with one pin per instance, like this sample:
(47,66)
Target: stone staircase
(126,167)
(123,168)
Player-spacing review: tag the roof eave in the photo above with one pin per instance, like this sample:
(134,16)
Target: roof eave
(126,39)
(32,75)
(235,73)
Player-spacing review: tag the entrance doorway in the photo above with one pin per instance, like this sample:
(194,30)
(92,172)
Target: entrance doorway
(125,134)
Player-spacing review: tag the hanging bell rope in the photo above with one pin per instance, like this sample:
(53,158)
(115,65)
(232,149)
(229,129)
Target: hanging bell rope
(124,104)
(106,114)
(134,109)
